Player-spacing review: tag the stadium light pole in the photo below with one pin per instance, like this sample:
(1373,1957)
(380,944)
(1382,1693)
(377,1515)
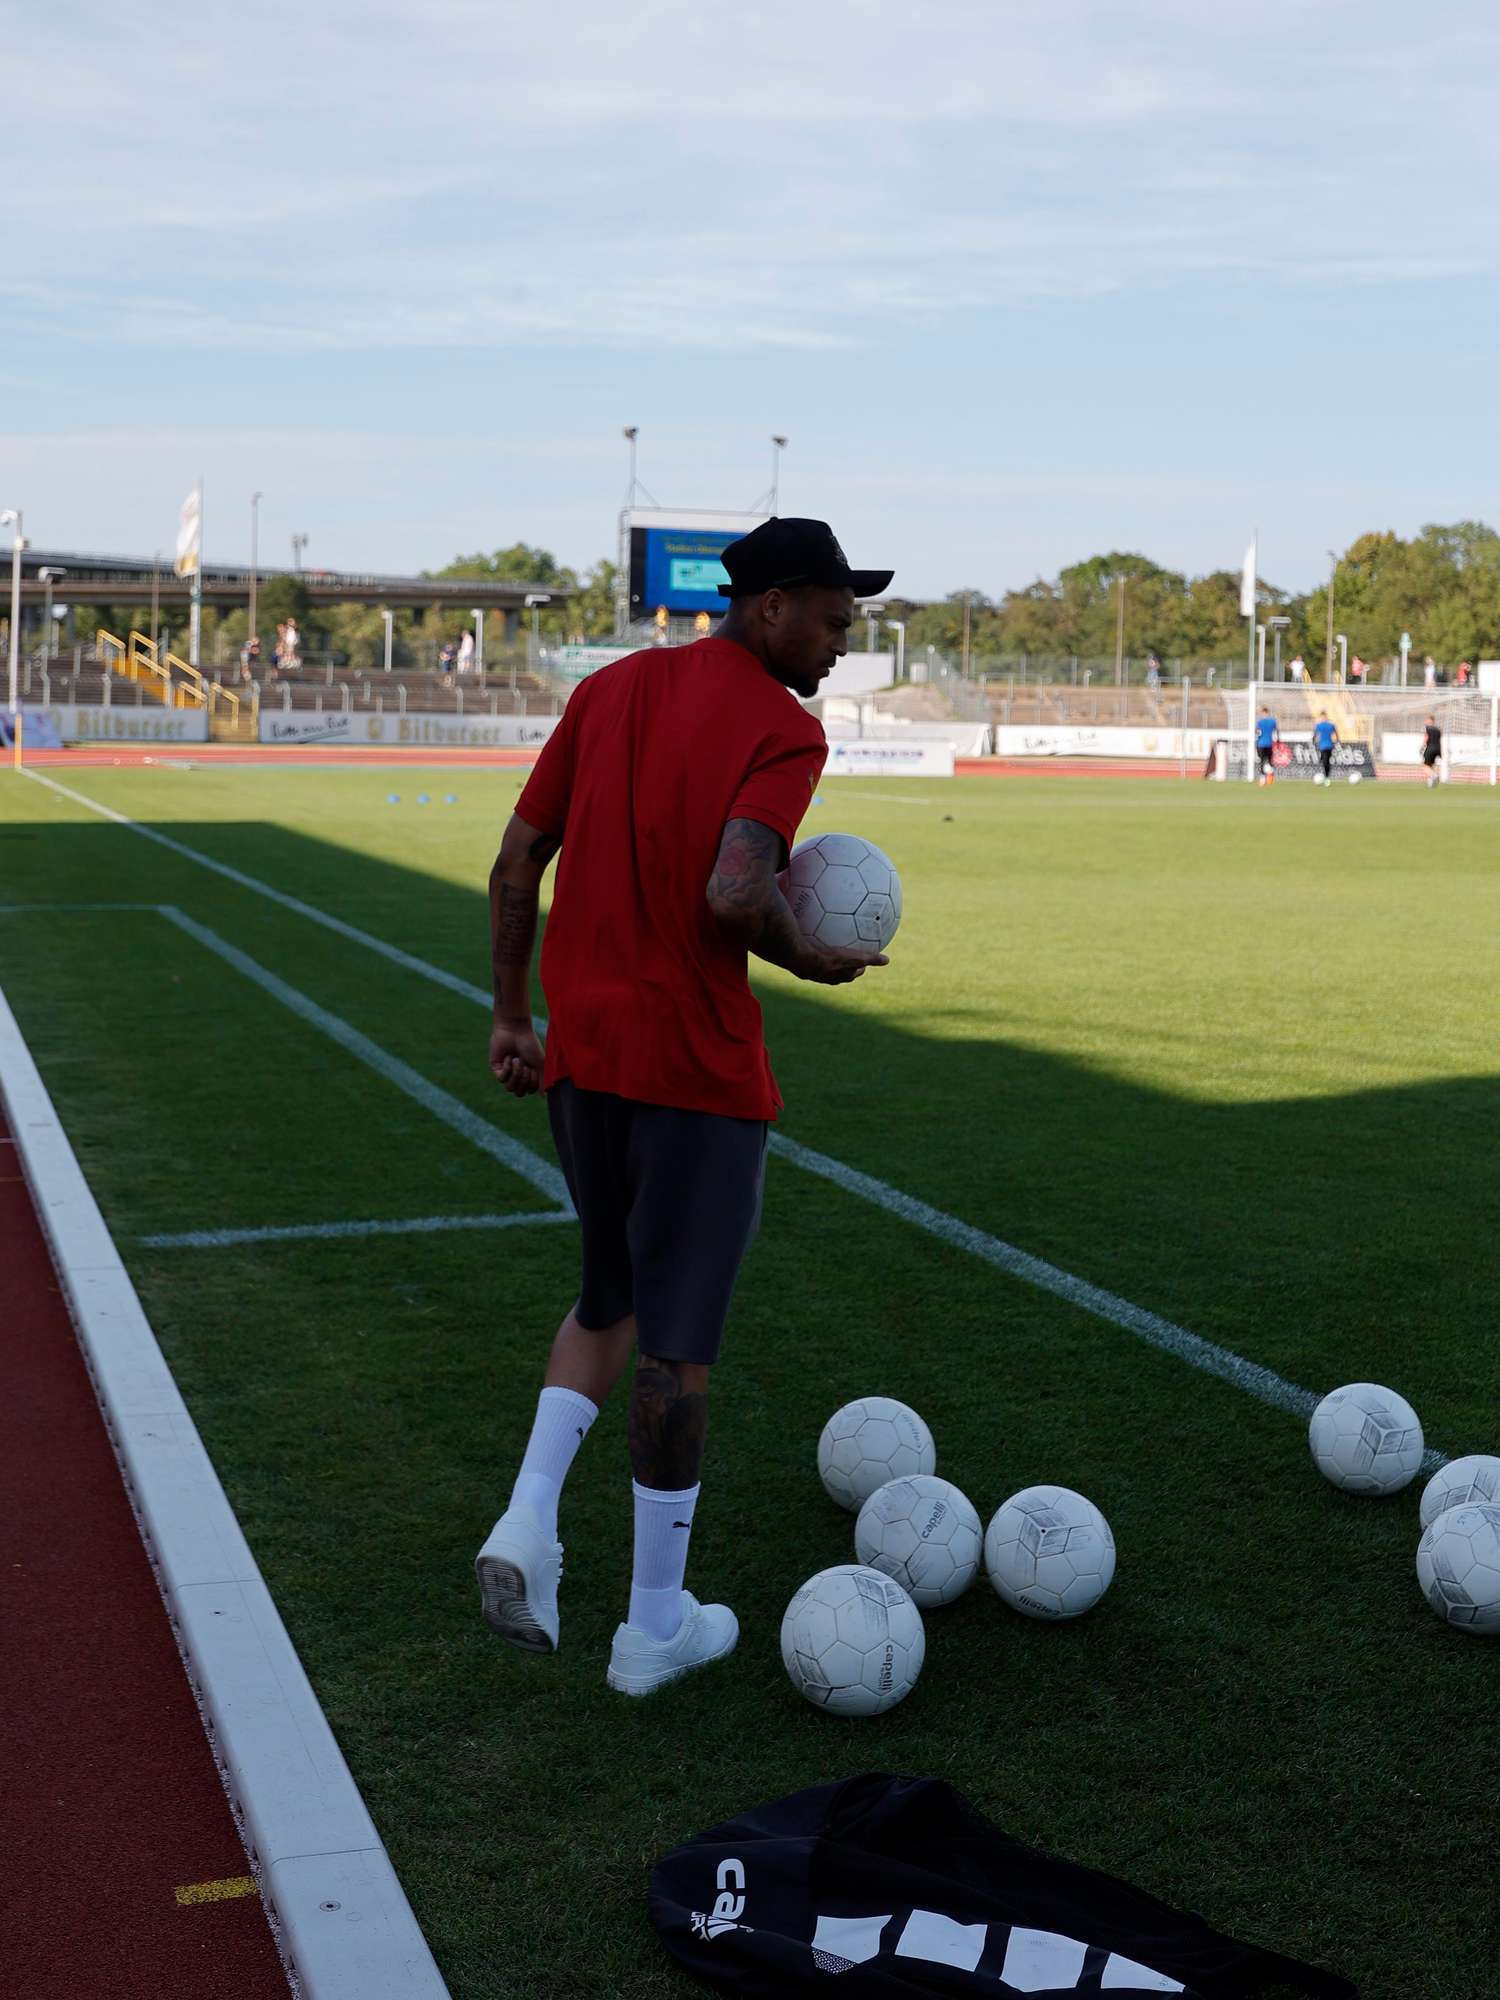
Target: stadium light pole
(535,599)
(155,595)
(1343,646)
(1260,651)
(872,621)
(13,515)
(778,446)
(1333,577)
(45,576)
(390,622)
(898,626)
(255,500)
(478,616)
(299,543)
(1120,636)
(1276,626)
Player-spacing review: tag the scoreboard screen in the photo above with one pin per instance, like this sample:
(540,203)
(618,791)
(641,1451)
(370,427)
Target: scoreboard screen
(679,568)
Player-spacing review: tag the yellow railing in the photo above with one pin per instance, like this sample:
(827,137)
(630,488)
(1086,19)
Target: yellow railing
(134,662)
(224,694)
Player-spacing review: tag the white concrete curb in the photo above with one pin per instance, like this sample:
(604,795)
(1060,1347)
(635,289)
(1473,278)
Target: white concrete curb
(341,1917)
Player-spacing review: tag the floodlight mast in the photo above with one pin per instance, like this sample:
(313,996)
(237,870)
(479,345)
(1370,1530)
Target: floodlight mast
(13,515)
(46,576)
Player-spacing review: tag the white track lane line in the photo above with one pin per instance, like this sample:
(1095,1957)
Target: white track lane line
(305,1232)
(478,1131)
(1262,1383)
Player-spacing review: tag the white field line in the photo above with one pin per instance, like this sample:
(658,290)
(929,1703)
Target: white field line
(393,952)
(1262,1383)
(302,1232)
(478,1131)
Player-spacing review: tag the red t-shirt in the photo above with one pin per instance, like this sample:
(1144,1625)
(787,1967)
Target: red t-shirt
(647,994)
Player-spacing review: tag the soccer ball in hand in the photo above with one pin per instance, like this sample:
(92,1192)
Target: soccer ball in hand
(1463,1482)
(1458,1567)
(1366,1439)
(852,1641)
(843,891)
(1049,1552)
(867,1443)
(923,1532)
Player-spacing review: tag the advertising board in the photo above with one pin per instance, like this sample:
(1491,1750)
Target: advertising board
(1107,740)
(867,757)
(81,722)
(406,732)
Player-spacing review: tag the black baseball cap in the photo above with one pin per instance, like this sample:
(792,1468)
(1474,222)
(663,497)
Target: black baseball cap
(790,552)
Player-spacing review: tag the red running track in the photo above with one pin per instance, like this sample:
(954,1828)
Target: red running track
(112,1801)
(134,755)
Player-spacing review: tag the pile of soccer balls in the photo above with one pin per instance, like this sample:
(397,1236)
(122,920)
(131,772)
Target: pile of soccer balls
(1367,1439)
(852,1639)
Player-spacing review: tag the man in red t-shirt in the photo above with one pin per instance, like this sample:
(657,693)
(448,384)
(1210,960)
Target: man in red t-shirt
(673,786)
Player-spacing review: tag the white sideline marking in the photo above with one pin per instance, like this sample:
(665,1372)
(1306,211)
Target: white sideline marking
(488,1138)
(218,1239)
(1262,1383)
(307,1831)
(356,936)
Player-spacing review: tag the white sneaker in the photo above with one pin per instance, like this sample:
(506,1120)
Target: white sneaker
(518,1570)
(639,1664)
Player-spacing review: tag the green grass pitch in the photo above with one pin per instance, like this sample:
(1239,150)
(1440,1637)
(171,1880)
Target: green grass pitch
(1228,1054)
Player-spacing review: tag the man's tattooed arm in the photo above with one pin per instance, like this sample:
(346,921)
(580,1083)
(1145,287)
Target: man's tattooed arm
(745,897)
(515,881)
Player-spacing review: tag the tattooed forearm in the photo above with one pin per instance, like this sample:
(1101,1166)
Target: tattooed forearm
(543,848)
(745,898)
(515,925)
(668,1425)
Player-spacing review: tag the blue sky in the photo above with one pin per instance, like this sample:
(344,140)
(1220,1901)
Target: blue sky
(1019,282)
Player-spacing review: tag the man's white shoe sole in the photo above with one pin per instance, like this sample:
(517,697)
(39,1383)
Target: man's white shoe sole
(649,1681)
(506,1605)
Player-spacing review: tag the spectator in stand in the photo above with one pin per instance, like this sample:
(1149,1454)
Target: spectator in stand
(1357,671)
(1429,672)
(249,657)
(466,651)
(1463,673)
(1297,668)
(1153,670)
(447,656)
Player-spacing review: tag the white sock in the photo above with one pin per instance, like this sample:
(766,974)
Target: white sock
(562,1422)
(663,1529)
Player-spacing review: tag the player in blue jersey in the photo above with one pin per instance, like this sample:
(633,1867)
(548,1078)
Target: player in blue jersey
(1267,736)
(1325,735)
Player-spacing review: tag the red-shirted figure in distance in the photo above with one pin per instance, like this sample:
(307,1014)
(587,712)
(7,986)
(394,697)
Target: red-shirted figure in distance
(673,787)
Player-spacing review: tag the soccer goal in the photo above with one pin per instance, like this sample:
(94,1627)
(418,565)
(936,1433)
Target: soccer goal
(1380,731)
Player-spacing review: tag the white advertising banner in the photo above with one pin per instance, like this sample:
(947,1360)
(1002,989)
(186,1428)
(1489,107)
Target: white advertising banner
(1400,746)
(968,739)
(79,722)
(1060,740)
(871,757)
(405,732)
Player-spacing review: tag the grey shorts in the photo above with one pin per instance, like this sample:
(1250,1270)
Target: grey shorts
(668,1202)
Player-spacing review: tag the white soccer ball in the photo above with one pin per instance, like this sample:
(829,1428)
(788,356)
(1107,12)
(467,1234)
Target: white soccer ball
(1366,1439)
(843,891)
(1049,1552)
(923,1532)
(1464,1482)
(1355,776)
(1317,777)
(1458,1567)
(868,1443)
(852,1641)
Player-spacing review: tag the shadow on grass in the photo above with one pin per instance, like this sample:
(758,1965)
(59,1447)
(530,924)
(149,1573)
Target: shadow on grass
(1260,1720)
